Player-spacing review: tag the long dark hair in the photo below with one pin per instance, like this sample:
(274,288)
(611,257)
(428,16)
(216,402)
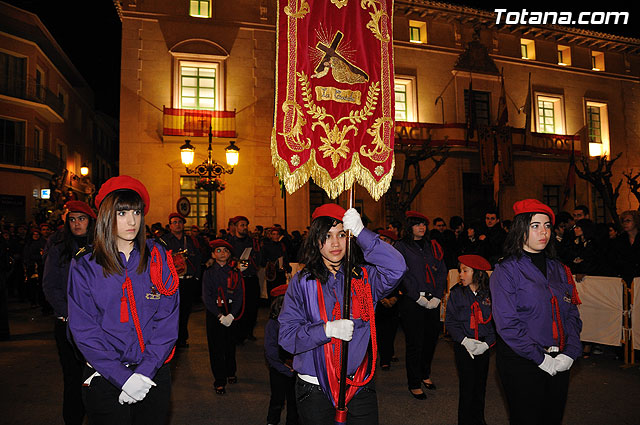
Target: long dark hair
(518,235)
(105,249)
(311,256)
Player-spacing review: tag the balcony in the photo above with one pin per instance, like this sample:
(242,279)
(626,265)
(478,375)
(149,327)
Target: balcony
(30,93)
(21,156)
(194,124)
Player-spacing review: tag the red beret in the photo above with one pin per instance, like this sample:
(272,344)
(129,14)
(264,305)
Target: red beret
(238,218)
(475,262)
(329,210)
(279,290)
(416,214)
(217,243)
(389,234)
(175,214)
(80,207)
(533,206)
(123,182)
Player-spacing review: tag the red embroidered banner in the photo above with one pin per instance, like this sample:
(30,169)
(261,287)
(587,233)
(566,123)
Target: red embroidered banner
(334,110)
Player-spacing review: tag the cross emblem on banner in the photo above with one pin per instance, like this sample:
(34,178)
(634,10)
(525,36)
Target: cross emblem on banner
(332,52)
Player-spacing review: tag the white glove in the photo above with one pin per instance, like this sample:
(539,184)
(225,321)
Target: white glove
(227,320)
(125,398)
(352,221)
(137,386)
(548,365)
(341,329)
(423,302)
(433,303)
(470,344)
(562,362)
(480,348)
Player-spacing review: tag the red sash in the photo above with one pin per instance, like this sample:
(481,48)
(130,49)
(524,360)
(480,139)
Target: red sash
(362,308)
(476,318)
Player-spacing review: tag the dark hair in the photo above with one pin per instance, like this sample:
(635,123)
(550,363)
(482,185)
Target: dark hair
(105,250)
(588,228)
(563,217)
(407,234)
(582,208)
(481,277)
(311,256)
(276,306)
(455,222)
(437,219)
(492,211)
(518,234)
(66,238)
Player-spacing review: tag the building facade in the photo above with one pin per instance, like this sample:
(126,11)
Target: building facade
(48,127)
(567,91)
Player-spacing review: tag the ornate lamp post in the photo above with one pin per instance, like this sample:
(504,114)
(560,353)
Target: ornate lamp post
(210,170)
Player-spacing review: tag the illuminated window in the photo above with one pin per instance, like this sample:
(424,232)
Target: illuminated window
(200,8)
(406,108)
(597,61)
(527,49)
(199,200)
(417,32)
(550,114)
(597,128)
(564,55)
(198,86)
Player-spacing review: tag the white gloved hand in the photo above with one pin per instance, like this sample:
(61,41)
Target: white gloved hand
(137,386)
(227,320)
(470,344)
(563,362)
(480,348)
(423,302)
(548,365)
(352,221)
(433,303)
(341,329)
(125,398)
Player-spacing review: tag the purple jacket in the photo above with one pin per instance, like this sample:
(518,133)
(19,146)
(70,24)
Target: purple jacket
(301,327)
(458,317)
(522,309)
(215,285)
(94,318)
(416,279)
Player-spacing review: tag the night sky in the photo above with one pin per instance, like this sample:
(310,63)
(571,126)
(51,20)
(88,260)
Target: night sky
(89,32)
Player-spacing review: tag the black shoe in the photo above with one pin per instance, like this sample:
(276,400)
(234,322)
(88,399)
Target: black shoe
(385,367)
(420,396)
(395,359)
(232,379)
(220,390)
(429,386)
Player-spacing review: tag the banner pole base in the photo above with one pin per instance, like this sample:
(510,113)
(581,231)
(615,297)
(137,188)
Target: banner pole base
(341,416)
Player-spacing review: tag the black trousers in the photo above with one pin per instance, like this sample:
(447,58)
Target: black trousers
(283,389)
(72,371)
(251,299)
(386,327)
(315,408)
(222,350)
(101,401)
(421,327)
(472,375)
(187,288)
(533,396)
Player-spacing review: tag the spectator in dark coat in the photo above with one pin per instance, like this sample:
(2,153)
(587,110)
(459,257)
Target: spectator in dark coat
(627,252)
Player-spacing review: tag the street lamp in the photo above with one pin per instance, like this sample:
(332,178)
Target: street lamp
(210,170)
(84,170)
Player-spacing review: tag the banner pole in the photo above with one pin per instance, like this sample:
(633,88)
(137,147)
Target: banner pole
(341,407)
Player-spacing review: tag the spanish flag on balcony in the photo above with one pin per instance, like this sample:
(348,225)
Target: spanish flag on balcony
(334,108)
(196,123)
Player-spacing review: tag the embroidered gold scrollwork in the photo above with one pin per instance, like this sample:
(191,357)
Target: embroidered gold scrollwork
(340,3)
(301,9)
(335,136)
(380,152)
(374,24)
(296,130)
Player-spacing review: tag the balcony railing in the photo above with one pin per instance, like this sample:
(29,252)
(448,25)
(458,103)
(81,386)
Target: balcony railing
(31,90)
(30,157)
(196,123)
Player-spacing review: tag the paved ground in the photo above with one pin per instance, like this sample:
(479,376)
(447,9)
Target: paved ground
(602,392)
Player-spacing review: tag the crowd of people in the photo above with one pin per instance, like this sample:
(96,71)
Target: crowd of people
(110,280)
